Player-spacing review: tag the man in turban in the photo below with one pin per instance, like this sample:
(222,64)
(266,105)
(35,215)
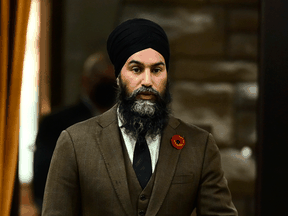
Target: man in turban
(136,158)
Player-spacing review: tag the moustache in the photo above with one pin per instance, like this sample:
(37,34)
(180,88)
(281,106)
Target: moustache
(144,90)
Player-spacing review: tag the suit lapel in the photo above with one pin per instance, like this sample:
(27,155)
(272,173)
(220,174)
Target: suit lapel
(166,166)
(108,139)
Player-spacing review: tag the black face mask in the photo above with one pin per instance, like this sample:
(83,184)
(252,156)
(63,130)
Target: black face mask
(103,94)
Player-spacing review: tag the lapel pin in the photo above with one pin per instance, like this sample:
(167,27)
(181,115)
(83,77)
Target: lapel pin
(178,142)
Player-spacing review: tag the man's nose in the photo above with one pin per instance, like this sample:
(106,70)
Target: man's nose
(147,79)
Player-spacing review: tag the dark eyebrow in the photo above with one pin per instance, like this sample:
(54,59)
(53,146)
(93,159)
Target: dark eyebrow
(159,63)
(137,62)
(134,62)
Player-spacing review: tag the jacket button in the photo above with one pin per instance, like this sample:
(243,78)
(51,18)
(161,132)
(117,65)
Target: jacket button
(141,213)
(142,197)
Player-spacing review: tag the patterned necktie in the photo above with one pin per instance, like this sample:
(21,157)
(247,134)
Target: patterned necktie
(142,161)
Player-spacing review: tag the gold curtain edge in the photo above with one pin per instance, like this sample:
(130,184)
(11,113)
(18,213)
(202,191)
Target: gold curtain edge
(3,85)
(11,150)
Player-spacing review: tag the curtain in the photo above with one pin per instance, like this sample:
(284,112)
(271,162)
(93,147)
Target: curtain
(13,24)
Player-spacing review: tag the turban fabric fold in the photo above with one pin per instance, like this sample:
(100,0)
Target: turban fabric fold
(133,36)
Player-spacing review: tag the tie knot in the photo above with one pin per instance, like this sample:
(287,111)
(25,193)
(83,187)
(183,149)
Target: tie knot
(141,136)
(141,141)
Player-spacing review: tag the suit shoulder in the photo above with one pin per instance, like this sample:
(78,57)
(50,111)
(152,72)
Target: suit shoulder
(183,125)
(92,124)
(86,125)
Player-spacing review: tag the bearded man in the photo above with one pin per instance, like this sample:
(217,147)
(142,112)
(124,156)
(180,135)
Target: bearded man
(136,158)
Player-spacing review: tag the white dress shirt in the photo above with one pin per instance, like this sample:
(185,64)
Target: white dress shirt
(130,142)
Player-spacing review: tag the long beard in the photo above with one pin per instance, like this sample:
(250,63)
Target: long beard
(143,116)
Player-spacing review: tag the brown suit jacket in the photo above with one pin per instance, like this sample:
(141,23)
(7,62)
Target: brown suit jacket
(87,174)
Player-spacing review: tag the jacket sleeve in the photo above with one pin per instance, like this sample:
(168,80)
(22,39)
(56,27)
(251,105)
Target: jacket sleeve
(62,191)
(214,197)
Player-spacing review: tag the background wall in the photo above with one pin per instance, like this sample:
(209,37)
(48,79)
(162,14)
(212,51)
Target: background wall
(86,25)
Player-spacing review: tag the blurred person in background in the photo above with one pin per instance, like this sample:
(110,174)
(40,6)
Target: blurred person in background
(98,93)
(136,158)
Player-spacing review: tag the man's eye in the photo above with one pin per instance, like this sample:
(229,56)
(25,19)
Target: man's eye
(156,70)
(136,69)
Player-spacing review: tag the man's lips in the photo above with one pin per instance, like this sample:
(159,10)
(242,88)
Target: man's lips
(146,96)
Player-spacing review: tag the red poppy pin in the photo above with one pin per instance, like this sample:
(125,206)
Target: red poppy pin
(178,142)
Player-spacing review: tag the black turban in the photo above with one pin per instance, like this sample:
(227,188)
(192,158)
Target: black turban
(133,36)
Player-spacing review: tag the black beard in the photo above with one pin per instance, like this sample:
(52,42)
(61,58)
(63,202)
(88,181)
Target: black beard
(142,116)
